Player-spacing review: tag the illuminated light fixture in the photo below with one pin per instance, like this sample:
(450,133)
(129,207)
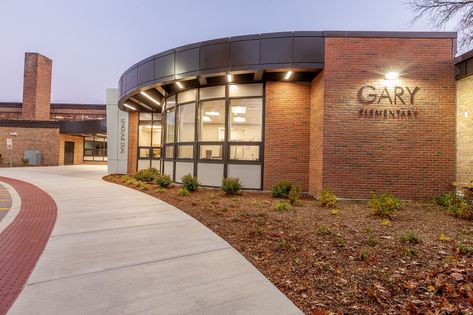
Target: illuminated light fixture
(239,119)
(229,77)
(206,118)
(239,109)
(179,85)
(391,75)
(288,75)
(129,106)
(212,113)
(149,97)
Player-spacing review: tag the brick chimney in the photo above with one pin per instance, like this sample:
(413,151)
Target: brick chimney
(36,87)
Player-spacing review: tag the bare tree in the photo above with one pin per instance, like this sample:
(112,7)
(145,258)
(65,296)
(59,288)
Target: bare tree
(440,12)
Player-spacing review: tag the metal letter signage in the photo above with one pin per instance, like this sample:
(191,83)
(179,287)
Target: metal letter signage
(122,135)
(380,97)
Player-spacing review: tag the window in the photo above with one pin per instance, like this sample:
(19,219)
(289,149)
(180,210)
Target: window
(169,152)
(212,92)
(243,90)
(246,119)
(211,152)
(212,121)
(145,135)
(187,96)
(144,153)
(186,123)
(95,148)
(149,136)
(156,134)
(244,152)
(170,122)
(185,152)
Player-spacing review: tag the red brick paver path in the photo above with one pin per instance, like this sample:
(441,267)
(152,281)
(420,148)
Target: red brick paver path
(23,241)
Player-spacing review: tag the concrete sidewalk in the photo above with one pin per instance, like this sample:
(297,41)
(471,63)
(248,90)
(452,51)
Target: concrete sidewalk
(115,250)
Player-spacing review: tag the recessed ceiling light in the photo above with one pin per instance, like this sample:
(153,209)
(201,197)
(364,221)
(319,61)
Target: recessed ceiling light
(130,106)
(179,85)
(212,113)
(239,109)
(206,118)
(149,97)
(239,119)
(229,77)
(391,75)
(288,75)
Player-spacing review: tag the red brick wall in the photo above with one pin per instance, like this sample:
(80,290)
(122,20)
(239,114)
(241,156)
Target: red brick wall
(412,158)
(36,87)
(286,148)
(316,134)
(46,140)
(132,142)
(465,129)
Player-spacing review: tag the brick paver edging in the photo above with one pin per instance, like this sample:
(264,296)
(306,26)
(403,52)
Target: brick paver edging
(23,241)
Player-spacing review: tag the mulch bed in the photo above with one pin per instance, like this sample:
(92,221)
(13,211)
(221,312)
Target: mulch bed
(343,261)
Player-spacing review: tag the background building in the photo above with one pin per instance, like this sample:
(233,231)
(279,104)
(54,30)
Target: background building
(61,133)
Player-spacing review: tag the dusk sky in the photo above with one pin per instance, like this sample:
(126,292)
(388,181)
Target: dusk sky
(92,42)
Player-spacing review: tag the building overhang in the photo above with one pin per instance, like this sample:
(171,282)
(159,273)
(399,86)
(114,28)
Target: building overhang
(249,58)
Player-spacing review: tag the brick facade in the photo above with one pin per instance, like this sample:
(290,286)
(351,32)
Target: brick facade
(36,87)
(287,133)
(412,158)
(465,129)
(46,140)
(316,166)
(132,142)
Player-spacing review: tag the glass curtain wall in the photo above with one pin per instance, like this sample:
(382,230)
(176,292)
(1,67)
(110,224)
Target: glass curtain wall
(149,140)
(215,132)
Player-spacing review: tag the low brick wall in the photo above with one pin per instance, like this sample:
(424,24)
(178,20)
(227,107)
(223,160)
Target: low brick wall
(46,140)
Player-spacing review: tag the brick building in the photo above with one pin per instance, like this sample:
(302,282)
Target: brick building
(60,133)
(359,112)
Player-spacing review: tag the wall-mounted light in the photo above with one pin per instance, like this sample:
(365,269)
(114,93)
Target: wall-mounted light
(149,97)
(391,75)
(288,75)
(212,113)
(466,114)
(179,85)
(130,106)
(206,118)
(229,78)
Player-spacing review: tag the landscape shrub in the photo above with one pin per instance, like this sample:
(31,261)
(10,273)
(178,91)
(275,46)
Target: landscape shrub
(163,180)
(183,192)
(190,182)
(147,175)
(281,206)
(231,185)
(281,189)
(411,237)
(327,198)
(455,205)
(384,205)
(294,196)
(25,161)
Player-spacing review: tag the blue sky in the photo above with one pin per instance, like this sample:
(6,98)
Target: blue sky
(91,42)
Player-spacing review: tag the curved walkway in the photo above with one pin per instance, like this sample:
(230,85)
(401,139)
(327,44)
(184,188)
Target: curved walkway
(23,241)
(115,250)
